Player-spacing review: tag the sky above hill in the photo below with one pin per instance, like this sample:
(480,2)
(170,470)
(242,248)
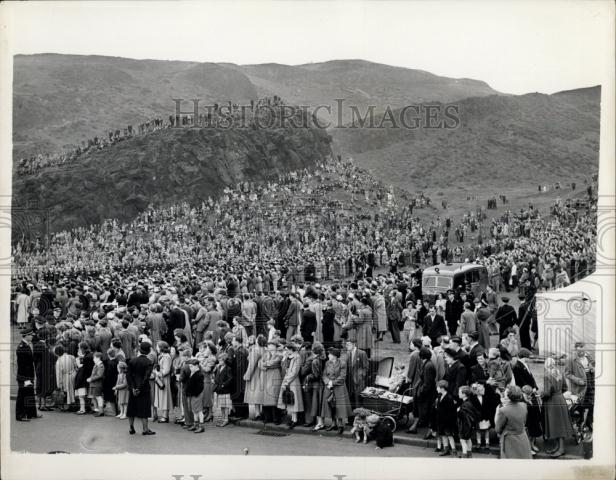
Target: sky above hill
(515,46)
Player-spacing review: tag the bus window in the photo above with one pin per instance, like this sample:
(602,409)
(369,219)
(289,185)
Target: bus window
(444,282)
(429,281)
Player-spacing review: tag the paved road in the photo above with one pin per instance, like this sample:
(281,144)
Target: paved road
(85,434)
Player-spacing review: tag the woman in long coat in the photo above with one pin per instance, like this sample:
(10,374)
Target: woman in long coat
(426,391)
(208,365)
(291,381)
(510,424)
(556,415)
(253,395)
(307,356)
(314,385)
(156,323)
(272,378)
(66,369)
(483,317)
(163,400)
(334,375)
(380,311)
(363,327)
(45,368)
(317,307)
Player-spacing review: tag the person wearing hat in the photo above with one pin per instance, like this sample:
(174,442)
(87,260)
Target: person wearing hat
(506,317)
(357,369)
(336,403)
(454,307)
(138,379)
(291,382)
(527,316)
(271,380)
(521,372)
(455,375)
(484,317)
(499,370)
(510,422)
(25,406)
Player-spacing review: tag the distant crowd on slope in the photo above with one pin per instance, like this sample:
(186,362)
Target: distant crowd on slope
(260,114)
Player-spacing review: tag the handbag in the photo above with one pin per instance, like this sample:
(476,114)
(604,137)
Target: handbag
(59,397)
(331,400)
(160,383)
(287,396)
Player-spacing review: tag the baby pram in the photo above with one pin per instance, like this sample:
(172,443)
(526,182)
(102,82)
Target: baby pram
(578,412)
(393,407)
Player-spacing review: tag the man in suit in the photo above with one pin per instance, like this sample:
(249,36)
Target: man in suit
(104,335)
(525,319)
(434,326)
(505,317)
(521,373)
(413,372)
(138,379)
(283,307)
(475,348)
(291,317)
(580,372)
(309,324)
(239,365)
(128,339)
(25,407)
(463,357)
(357,369)
(249,314)
(453,311)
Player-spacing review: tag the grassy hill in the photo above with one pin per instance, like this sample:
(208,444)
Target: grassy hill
(60,100)
(501,142)
(165,167)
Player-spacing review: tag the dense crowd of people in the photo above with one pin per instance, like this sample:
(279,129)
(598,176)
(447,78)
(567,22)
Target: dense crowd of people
(294,227)
(271,300)
(175,347)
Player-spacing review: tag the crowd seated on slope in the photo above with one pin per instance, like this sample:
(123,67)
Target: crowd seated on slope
(293,226)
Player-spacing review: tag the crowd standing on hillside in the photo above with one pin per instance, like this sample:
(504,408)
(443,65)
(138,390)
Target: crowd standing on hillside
(267,112)
(270,302)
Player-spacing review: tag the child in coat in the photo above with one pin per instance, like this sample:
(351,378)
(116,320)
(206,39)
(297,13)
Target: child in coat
(360,425)
(534,417)
(194,394)
(484,400)
(121,390)
(380,432)
(446,420)
(468,417)
(96,385)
